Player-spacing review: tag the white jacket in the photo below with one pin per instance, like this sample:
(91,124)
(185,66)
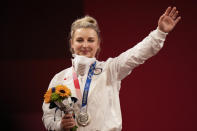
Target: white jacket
(103,98)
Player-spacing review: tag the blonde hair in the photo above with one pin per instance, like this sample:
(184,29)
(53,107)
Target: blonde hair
(85,22)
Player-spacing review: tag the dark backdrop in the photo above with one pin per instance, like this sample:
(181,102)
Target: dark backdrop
(158,96)
(34,49)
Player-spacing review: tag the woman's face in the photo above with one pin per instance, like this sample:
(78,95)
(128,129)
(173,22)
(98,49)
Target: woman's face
(85,42)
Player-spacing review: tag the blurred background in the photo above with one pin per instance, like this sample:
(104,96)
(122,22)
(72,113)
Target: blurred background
(160,95)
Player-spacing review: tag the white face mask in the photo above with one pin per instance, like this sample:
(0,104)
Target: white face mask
(82,64)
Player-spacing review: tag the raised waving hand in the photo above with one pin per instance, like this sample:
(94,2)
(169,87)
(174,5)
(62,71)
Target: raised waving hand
(169,19)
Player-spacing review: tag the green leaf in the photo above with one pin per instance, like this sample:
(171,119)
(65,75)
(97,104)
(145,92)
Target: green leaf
(74,128)
(54,97)
(59,100)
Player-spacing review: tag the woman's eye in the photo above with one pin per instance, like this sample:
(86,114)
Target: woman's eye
(79,40)
(91,40)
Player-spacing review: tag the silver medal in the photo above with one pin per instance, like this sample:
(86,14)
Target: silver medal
(83,118)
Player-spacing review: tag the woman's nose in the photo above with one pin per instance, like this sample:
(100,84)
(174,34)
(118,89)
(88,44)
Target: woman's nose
(85,44)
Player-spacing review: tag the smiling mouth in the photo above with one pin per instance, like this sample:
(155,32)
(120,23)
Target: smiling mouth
(84,52)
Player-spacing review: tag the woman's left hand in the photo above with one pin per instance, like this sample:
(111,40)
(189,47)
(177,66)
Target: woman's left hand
(168,20)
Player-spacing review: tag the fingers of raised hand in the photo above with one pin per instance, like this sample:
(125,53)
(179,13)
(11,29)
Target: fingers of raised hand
(175,15)
(172,12)
(177,20)
(167,11)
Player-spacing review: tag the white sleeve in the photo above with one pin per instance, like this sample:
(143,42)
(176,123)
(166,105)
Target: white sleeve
(51,117)
(122,65)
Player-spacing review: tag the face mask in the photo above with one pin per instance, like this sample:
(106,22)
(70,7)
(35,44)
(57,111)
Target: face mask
(82,64)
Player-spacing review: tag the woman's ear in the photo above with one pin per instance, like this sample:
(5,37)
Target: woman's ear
(99,45)
(70,42)
(98,50)
(71,46)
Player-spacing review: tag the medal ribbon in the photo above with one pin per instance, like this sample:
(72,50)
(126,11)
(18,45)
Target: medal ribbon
(77,87)
(87,85)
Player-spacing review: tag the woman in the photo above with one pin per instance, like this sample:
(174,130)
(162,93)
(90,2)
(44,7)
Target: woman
(102,95)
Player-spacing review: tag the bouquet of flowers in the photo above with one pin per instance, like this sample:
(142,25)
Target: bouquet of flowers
(58,97)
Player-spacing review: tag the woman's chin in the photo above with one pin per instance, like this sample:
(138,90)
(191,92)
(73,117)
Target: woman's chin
(87,55)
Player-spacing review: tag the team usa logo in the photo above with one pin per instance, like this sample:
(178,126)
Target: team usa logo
(97,71)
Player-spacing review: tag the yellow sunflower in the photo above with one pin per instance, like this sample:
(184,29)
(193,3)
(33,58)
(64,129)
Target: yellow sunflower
(63,91)
(47,96)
